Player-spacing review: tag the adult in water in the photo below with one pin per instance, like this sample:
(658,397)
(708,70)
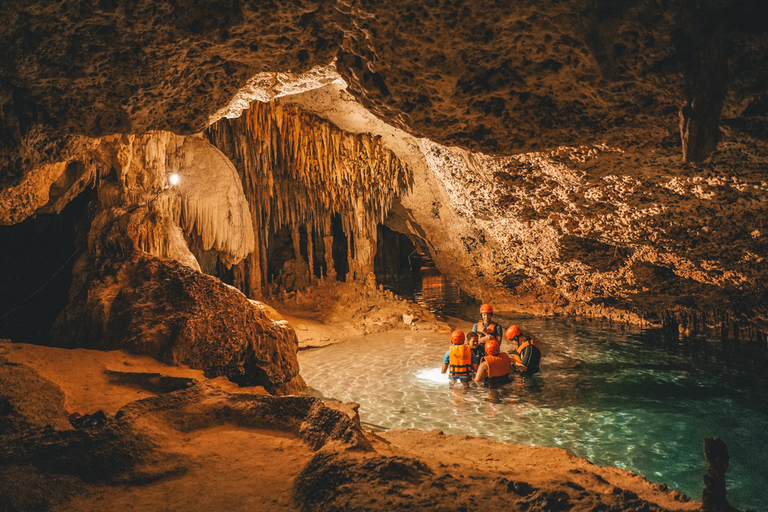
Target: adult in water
(459,359)
(526,356)
(495,367)
(486,328)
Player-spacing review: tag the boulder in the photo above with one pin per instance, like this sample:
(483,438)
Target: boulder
(177,315)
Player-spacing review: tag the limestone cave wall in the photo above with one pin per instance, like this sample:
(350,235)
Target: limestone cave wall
(299,171)
(560,157)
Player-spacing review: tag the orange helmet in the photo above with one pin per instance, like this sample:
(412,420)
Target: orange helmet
(486,308)
(492,348)
(513,331)
(457,337)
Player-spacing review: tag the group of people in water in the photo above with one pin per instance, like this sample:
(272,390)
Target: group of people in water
(478,357)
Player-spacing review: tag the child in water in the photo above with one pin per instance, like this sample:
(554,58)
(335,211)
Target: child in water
(478,349)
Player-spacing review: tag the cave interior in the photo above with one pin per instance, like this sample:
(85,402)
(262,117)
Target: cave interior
(591,160)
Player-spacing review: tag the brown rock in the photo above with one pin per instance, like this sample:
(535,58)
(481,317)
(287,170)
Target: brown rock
(160,308)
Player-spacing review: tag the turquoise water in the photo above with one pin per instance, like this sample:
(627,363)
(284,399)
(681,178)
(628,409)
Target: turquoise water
(610,395)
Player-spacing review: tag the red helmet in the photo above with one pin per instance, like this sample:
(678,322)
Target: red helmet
(457,337)
(513,331)
(486,308)
(492,348)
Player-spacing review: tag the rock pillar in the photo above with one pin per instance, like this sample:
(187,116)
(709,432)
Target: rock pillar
(714,499)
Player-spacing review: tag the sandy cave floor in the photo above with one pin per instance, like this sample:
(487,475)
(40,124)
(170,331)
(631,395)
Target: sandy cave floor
(228,467)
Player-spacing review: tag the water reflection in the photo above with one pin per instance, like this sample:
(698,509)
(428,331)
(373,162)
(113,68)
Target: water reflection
(605,393)
(437,293)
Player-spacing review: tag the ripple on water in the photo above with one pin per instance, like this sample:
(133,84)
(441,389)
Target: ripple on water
(601,394)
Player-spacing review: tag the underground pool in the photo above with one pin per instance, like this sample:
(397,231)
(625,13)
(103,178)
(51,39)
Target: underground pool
(607,393)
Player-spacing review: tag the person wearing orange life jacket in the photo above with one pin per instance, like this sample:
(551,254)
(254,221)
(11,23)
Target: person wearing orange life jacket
(495,367)
(487,329)
(527,355)
(458,359)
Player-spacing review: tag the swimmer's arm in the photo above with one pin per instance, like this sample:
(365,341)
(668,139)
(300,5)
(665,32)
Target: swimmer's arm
(444,369)
(481,371)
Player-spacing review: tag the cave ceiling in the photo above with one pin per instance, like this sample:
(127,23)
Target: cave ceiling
(661,90)
(496,77)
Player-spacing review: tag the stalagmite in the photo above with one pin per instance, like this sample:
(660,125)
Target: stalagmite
(328,245)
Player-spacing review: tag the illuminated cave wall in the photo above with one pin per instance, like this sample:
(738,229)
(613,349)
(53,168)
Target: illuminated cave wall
(299,172)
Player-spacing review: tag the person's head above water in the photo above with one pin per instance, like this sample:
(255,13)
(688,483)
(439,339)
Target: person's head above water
(513,332)
(472,339)
(486,311)
(457,337)
(492,348)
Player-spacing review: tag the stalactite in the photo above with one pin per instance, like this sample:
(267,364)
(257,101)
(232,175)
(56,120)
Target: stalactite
(310,253)
(299,169)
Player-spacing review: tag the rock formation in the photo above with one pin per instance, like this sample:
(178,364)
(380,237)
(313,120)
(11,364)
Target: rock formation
(714,497)
(574,157)
(300,171)
(611,163)
(159,308)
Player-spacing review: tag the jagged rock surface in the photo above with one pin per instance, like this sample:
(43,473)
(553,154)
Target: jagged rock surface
(345,481)
(656,204)
(507,77)
(44,466)
(160,308)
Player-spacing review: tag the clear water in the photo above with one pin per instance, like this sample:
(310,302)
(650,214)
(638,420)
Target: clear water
(606,394)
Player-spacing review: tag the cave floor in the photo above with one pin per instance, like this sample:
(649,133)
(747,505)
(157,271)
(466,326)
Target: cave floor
(227,467)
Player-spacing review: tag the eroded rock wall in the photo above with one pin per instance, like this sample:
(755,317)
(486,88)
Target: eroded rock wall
(138,286)
(299,171)
(593,230)
(179,316)
(600,107)
(501,78)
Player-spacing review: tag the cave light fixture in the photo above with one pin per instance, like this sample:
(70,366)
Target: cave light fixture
(172,180)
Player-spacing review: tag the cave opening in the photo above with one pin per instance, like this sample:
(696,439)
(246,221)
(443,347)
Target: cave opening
(409,271)
(397,264)
(35,283)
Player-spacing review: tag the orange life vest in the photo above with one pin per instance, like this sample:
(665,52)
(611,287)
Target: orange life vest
(499,365)
(461,360)
(532,361)
(490,330)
